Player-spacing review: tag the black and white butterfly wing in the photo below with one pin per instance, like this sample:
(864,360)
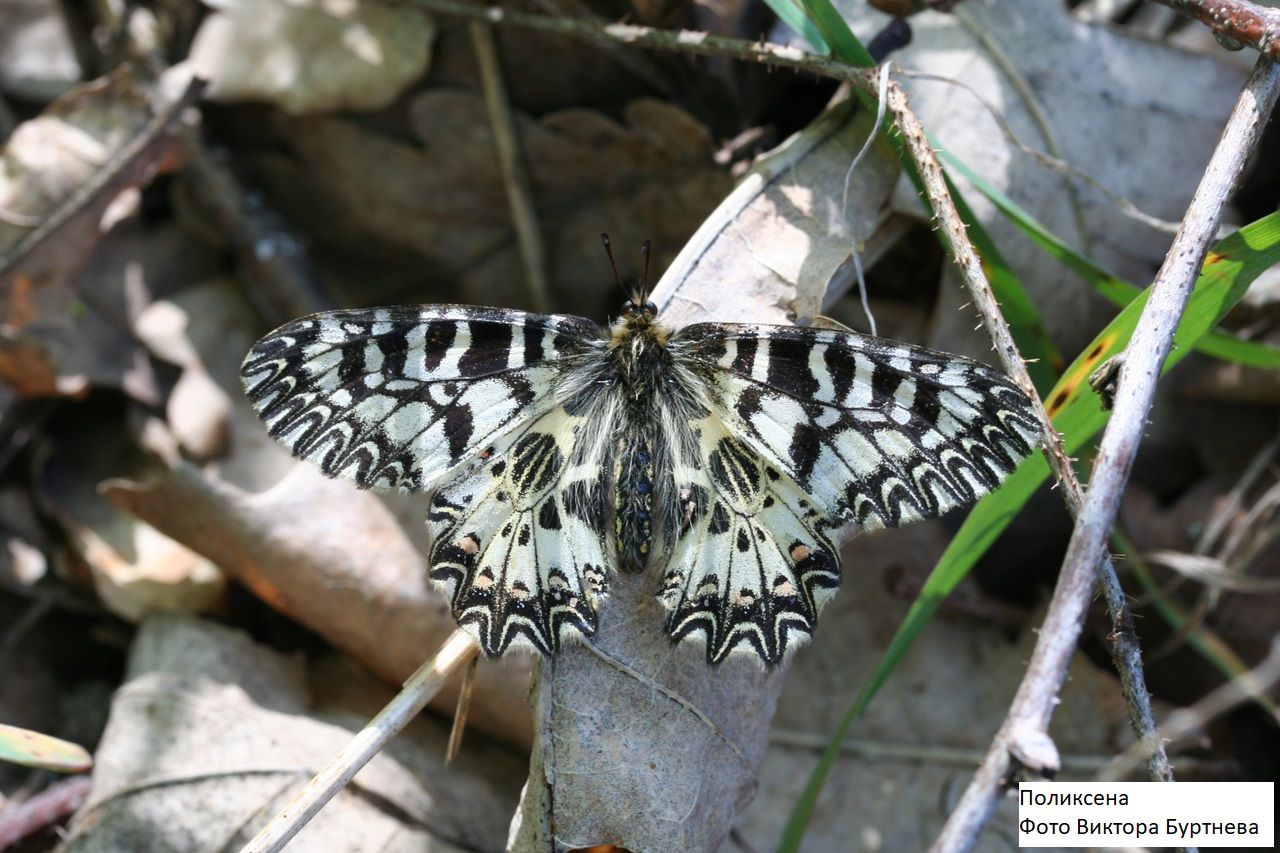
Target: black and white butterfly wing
(518,542)
(842,431)
(400,397)
(752,562)
(466,402)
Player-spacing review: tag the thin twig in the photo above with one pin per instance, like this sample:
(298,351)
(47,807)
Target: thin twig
(24,819)
(919,753)
(461,712)
(524,216)
(458,650)
(1236,23)
(1032,707)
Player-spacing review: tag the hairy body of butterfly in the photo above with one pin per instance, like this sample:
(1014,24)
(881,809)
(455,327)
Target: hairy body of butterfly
(729,460)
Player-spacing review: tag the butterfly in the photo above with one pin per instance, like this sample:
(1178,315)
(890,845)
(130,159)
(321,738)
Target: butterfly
(728,460)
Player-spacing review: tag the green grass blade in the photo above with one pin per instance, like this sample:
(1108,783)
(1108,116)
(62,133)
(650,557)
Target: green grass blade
(1119,291)
(32,749)
(1229,269)
(795,18)
(836,33)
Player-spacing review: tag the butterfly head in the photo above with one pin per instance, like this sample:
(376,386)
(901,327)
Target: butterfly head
(631,308)
(638,307)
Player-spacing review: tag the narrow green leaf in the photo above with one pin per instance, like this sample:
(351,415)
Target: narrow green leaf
(836,33)
(795,18)
(1119,291)
(1229,269)
(32,749)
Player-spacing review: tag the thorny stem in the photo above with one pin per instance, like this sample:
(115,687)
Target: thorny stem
(1236,23)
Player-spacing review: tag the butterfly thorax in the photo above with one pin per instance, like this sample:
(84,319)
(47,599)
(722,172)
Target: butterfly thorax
(642,364)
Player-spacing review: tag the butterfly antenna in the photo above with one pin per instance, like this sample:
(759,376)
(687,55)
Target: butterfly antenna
(608,250)
(644,282)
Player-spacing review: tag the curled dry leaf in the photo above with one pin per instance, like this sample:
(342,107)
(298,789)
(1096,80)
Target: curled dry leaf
(212,734)
(309,56)
(640,743)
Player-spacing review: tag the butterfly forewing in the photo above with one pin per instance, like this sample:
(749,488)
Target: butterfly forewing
(399,397)
(877,433)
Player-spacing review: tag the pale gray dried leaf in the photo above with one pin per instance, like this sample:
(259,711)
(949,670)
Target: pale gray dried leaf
(211,734)
(641,744)
(775,244)
(308,56)
(1103,99)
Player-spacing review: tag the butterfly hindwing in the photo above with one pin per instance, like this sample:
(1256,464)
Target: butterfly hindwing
(399,397)
(518,544)
(752,563)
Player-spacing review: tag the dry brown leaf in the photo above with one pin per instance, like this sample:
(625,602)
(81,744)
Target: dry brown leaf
(212,734)
(135,569)
(440,209)
(308,56)
(49,157)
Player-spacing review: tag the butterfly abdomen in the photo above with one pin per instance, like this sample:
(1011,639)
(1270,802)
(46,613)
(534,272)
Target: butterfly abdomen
(634,505)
